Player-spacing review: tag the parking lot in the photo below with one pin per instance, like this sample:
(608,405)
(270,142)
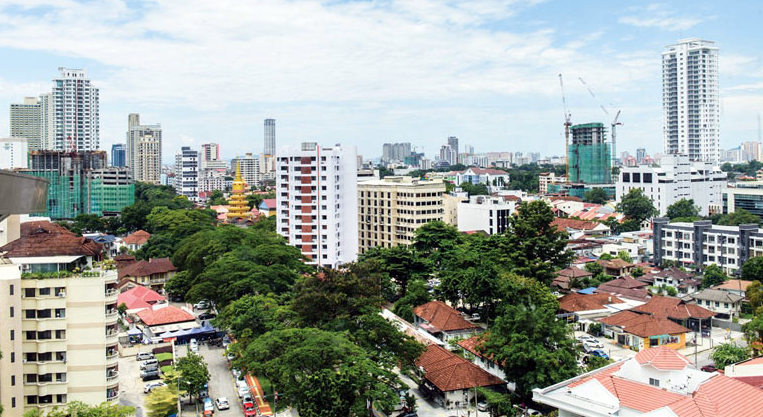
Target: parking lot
(221,383)
(130,384)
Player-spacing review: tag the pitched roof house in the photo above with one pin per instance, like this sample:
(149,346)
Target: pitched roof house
(44,247)
(565,277)
(615,267)
(153,273)
(577,228)
(139,298)
(626,287)
(443,321)
(723,303)
(589,305)
(643,331)
(134,241)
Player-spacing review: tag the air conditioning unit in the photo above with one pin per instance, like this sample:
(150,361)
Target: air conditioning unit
(62,294)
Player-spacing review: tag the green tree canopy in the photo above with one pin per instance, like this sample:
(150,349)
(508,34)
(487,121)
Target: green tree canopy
(80,409)
(162,401)
(713,276)
(728,353)
(596,196)
(474,189)
(254,315)
(683,208)
(739,216)
(752,269)
(416,295)
(637,206)
(401,263)
(216,198)
(193,373)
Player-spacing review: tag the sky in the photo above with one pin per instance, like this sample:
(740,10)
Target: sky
(368,72)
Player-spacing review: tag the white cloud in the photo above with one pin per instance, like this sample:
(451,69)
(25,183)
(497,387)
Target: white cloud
(658,16)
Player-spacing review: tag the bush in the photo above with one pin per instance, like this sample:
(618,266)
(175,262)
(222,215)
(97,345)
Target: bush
(166,369)
(163,357)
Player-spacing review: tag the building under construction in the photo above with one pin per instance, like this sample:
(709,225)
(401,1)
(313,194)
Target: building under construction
(589,155)
(81,183)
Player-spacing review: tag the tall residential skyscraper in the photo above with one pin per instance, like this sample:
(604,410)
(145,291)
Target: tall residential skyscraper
(75,112)
(270,137)
(144,150)
(187,173)
(26,122)
(691,109)
(210,152)
(317,200)
(453,143)
(118,155)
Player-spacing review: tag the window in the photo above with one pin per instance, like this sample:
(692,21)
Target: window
(29,292)
(44,291)
(717,304)
(13,357)
(10,288)
(13,380)
(11,311)
(13,335)
(725,305)
(654,382)
(13,402)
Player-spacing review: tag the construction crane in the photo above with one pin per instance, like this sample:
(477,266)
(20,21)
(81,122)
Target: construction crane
(567,124)
(614,124)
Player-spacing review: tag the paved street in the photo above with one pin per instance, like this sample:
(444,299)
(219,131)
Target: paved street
(221,383)
(130,384)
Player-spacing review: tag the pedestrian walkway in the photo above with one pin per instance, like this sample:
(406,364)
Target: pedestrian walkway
(259,396)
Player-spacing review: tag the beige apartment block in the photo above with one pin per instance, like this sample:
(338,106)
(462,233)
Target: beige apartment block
(59,338)
(391,209)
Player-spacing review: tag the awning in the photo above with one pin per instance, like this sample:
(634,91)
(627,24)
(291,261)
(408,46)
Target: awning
(134,332)
(62,259)
(587,291)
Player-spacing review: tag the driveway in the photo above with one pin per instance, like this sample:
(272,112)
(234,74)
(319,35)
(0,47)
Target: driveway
(221,383)
(130,385)
(428,408)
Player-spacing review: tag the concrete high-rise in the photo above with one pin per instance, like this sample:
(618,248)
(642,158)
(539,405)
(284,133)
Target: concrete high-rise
(187,173)
(317,201)
(74,107)
(13,153)
(453,143)
(144,150)
(250,169)
(210,152)
(26,122)
(118,155)
(270,137)
(589,156)
(690,99)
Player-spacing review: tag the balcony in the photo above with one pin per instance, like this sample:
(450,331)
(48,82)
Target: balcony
(112,394)
(111,295)
(112,376)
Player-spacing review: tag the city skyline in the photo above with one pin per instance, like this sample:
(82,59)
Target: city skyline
(484,72)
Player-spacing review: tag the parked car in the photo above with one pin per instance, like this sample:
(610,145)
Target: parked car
(193,345)
(708,368)
(243,388)
(250,411)
(222,403)
(201,305)
(475,317)
(585,338)
(150,375)
(247,399)
(226,341)
(142,356)
(600,353)
(591,346)
(151,385)
(206,316)
(230,356)
(209,408)
(482,406)
(149,364)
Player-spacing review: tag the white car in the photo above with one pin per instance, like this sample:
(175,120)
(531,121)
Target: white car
(151,385)
(590,346)
(243,388)
(194,346)
(222,403)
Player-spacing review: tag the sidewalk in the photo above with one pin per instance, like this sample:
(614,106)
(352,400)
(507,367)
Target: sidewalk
(262,405)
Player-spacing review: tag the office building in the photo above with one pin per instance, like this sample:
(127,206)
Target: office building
(676,178)
(74,107)
(118,155)
(453,143)
(391,209)
(702,244)
(640,154)
(60,333)
(270,137)
(13,153)
(448,155)
(751,151)
(317,202)
(211,180)
(144,150)
(26,122)
(589,155)
(747,195)
(489,214)
(81,183)
(396,152)
(250,169)
(187,173)
(690,100)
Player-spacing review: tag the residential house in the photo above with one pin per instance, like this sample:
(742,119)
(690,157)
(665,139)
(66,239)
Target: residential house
(626,287)
(567,276)
(642,331)
(678,310)
(750,372)
(493,178)
(135,241)
(161,318)
(579,228)
(110,243)
(139,298)
(591,306)
(655,382)
(474,347)
(451,380)
(154,273)
(635,250)
(616,267)
(735,286)
(684,282)
(723,303)
(443,321)
(268,206)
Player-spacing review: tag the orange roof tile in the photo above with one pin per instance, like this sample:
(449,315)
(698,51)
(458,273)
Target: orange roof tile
(563,224)
(734,284)
(450,372)
(442,316)
(139,297)
(643,325)
(138,238)
(164,315)
(583,302)
(43,238)
(663,358)
(146,268)
(673,308)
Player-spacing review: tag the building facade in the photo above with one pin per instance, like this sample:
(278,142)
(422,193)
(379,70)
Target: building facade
(396,152)
(74,106)
(744,195)
(13,153)
(187,173)
(209,152)
(589,155)
(26,122)
(690,100)
(270,137)
(118,158)
(144,150)
(391,209)
(676,178)
(488,214)
(250,169)
(702,244)
(317,200)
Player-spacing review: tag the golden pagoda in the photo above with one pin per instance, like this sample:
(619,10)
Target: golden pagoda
(238,206)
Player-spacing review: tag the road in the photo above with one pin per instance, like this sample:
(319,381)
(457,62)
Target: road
(130,385)
(221,383)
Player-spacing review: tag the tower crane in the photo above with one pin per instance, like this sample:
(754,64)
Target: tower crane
(567,124)
(614,124)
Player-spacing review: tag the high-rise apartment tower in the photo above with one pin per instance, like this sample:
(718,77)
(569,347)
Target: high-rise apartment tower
(73,105)
(270,137)
(144,150)
(26,122)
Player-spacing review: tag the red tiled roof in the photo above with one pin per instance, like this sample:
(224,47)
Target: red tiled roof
(164,315)
(270,203)
(615,263)
(474,345)
(563,224)
(442,316)
(43,238)
(146,268)
(674,308)
(566,198)
(138,238)
(490,171)
(450,372)
(574,272)
(583,302)
(139,297)
(734,284)
(663,358)
(643,325)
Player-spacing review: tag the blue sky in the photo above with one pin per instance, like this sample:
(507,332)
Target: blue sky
(370,72)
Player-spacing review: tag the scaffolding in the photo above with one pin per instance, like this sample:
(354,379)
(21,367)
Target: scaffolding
(590,164)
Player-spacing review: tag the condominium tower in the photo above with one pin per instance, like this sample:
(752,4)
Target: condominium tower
(73,105)
(270,137)
(317,202)
(26,122)
(691,105)
(391,209)
(187,173)
(144,150)
(118,158)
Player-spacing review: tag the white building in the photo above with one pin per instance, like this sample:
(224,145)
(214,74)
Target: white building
(250,169)
(547,178)
(494,179)
(187,173)
(675,179)
(13,153)
(691,105)
(75,111)
(144,150)
(211,180)
(317,202)
(26,122)
(486,213)
(210,152)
